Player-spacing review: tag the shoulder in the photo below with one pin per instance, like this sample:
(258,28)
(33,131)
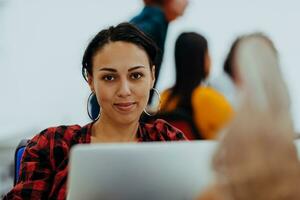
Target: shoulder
(53,144)
(60,136)
(207,94)
(206,90)
(151,20)
(208,102)
(160,130)
(54,136)
(149,13)
(65,133)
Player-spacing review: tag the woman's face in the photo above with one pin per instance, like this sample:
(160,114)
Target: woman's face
(121,80)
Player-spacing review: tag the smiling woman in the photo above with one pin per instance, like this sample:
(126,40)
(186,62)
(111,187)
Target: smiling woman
(118,65)
(121,79)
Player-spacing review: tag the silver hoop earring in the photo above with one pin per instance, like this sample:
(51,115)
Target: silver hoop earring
(93,107)
(150,111)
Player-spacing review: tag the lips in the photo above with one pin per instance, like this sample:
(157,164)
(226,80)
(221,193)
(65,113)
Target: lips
(125,107)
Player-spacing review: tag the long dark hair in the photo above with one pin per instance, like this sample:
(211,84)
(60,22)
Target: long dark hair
(190,51)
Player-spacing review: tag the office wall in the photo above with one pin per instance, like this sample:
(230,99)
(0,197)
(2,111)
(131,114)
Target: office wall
(42,42)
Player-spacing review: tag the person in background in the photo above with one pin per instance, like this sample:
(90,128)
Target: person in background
(209,109)
(153,20)
(119,66)
(256,158)
(229,62)
(226,81)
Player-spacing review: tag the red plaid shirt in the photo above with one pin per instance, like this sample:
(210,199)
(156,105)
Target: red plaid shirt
(44,167)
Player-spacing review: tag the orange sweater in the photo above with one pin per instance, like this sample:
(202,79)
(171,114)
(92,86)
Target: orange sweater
(211,110)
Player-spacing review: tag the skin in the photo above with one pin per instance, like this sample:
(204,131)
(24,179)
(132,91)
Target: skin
(171,8)
(121,79)
(174,8)
(207,63)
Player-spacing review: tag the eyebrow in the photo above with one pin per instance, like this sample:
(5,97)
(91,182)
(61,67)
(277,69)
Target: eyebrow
(114,70)
(136,67)
(108,69)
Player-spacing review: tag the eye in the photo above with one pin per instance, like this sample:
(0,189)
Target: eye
(136,75)
(108,78)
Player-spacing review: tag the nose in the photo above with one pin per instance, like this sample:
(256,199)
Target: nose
(124,89)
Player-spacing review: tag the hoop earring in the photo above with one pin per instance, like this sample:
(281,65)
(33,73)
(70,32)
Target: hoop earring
(148,110)
(93,108)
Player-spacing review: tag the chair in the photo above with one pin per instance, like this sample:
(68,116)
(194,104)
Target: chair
(179,119)
(18,157)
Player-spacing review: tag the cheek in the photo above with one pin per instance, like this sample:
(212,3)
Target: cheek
(104,94)
(142,92)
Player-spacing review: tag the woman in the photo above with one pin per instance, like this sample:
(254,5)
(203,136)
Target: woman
(118,65)
(153,20)
(209,109)
(256,158)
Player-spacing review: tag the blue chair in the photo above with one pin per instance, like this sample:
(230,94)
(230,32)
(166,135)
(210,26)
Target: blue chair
(18,157)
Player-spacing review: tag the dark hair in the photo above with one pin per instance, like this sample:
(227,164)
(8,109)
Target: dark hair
(190,52)
(228,64)
(123,32)
(229,67)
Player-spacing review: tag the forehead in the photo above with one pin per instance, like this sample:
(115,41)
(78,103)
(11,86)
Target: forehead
(120,54)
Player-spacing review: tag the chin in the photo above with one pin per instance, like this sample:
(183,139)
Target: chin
(128,119)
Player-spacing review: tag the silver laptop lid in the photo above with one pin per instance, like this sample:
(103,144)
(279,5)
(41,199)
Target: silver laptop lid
(156,170)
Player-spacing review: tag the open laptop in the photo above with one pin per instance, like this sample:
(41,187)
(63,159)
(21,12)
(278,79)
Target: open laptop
(154,170)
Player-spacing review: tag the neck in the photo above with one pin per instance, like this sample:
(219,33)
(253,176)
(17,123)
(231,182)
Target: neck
(108,131)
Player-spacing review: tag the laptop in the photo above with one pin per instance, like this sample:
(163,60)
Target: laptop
(152,170)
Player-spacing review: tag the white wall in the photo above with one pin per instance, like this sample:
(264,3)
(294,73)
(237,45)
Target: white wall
(42,42)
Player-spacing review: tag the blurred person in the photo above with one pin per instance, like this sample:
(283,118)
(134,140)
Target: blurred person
(257,158)
(230,71)
(209,109)
(119,66)
(154,21)
(226,81)
(229,63)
